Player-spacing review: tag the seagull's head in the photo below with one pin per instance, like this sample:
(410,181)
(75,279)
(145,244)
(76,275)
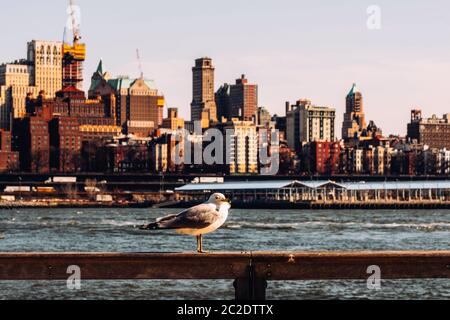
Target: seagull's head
(219,199)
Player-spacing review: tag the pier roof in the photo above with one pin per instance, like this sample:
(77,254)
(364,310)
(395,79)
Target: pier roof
(398,185)
(238,185)
(318,184)
(258,185)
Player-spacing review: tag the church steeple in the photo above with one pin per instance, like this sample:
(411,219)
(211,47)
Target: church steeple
(100,67)
(98,76)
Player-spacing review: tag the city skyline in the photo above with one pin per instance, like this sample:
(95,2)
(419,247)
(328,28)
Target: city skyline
(304,139)
(395,68)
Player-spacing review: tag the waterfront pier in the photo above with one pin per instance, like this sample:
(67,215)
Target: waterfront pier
(269,194)
(326,194)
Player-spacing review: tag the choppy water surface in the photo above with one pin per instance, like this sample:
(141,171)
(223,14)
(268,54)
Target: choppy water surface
(111,230)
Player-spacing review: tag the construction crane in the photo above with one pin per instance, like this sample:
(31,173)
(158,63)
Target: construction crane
(73,54)
(141,70)
(75,30)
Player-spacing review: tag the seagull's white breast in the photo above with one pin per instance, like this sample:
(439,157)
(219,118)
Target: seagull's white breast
(223,212)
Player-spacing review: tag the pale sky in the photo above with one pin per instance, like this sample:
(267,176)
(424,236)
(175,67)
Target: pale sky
(291,48)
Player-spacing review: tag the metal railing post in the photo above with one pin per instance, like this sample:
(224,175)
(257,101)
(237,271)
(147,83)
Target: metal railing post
(251,287)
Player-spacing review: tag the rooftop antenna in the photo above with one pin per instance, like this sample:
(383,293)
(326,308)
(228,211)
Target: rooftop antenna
(140,63)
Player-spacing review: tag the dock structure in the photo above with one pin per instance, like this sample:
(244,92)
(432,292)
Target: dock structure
(250,271)
(328,193)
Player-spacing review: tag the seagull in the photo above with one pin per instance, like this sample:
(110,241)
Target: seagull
(196,221)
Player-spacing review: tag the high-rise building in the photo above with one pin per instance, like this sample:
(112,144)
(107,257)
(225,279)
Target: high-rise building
(45,58)
(243,100)
(41,71)
(14,89)
(223,102)
(308,123)
(74,55)
(144,109)
(138,105)
(243,149)
(239,101)
(73,59)
(354,117)
(15,74)
(203,106)
(433,132)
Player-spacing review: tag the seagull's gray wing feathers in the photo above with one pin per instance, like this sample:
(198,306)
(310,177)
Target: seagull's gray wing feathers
(197,217)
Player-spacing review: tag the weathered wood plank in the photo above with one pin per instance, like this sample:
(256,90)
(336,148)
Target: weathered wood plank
(265,265)
(351,265)
(123,266)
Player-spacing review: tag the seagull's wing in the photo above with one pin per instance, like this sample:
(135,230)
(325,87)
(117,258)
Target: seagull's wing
(197,217)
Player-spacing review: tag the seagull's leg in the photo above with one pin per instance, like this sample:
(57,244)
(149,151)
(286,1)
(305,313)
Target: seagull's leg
(198,244)
(201,245)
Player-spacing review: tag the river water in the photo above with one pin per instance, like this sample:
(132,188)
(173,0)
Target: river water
(112,230)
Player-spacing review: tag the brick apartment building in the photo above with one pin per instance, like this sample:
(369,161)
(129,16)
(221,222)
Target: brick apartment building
(9,160)
(65,144)
(31,139)
(96,117)
(433,132)
(324,157)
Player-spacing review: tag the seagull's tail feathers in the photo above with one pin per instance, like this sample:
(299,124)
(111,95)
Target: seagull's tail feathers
(150,226)
(161,223)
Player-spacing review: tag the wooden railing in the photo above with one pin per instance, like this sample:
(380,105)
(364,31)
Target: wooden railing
(249,270)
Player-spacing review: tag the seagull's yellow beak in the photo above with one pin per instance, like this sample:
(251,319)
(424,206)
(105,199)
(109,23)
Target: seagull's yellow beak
(227,200)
